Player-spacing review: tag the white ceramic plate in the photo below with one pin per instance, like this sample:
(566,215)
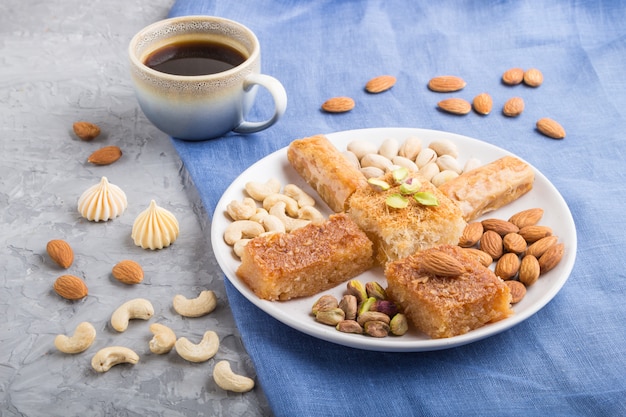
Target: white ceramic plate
(296,313)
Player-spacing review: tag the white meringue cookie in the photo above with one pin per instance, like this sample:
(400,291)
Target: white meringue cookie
(155,228)
(102,202)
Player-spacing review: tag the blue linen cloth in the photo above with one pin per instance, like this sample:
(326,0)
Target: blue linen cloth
(566,360)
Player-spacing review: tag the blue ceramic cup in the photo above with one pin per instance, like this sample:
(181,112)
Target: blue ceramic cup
(206,106)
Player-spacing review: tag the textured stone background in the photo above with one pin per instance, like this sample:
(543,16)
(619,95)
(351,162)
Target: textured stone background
(63,61)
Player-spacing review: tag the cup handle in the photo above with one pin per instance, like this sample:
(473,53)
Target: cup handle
(279,96)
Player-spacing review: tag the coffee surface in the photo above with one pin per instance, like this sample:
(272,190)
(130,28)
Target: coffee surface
(194,58)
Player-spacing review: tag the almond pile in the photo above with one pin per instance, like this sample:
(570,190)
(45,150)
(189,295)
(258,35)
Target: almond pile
(483,103)
(522,249)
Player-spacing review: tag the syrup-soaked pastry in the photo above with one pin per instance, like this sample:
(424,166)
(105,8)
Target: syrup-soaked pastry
(490,186)
(326,170)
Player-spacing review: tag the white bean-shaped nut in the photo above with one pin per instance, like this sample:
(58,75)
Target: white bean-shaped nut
(110,356)
(444,147)
(372,172)
(389,148)
(241,210)
(242,229)
(377,161)
(227,380)
(163,340)
(291,205)
(352,158)
(273,224)
(471,163)
(443,177)
(259,215)
(428,171)
(239,246)
(425,157)
(290,223)
(203,304)
(295,192)
(137,308)
(361,148)
(448,162)
(201,352)
(310,213)
(410,148)
(80,341)
(259,191)
(405,162)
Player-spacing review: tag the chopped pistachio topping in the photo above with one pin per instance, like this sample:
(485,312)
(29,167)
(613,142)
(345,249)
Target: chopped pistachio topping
(410,186)
(400,174)
(426,199)
(378,185)
(397,201)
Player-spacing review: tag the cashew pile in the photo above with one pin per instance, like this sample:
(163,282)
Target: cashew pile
(438,162)
(268,210)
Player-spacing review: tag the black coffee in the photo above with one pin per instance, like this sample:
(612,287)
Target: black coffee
(194,58)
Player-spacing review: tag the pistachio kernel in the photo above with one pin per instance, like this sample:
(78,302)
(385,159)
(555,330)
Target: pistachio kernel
(366,305)
(378,185)
(400,174)
(356,288)
(349,326)
(398,325)
(410,186)
(397,201)
(426,199)
(376,328)
(374,289)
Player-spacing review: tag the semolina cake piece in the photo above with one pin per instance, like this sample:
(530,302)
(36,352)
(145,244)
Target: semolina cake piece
(306,261)
(447,306)
(398,233)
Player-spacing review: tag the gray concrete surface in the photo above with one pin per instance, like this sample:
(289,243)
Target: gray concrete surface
(63,61)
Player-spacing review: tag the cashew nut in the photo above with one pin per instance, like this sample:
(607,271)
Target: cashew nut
(291,205)
(259,215)
(227,380)
(310,213)
(239,246)
(290,223)
(110,356)
(83,337)
(273,224)
(195,307)
(163,339)
(295,192)
(203,351)
(241,210)
(138,308)
(259,191)
(242,229)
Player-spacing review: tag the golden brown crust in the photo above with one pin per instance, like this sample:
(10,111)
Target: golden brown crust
(325,169)
(490,186)
(447,306)
(306,261)
(397,233)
